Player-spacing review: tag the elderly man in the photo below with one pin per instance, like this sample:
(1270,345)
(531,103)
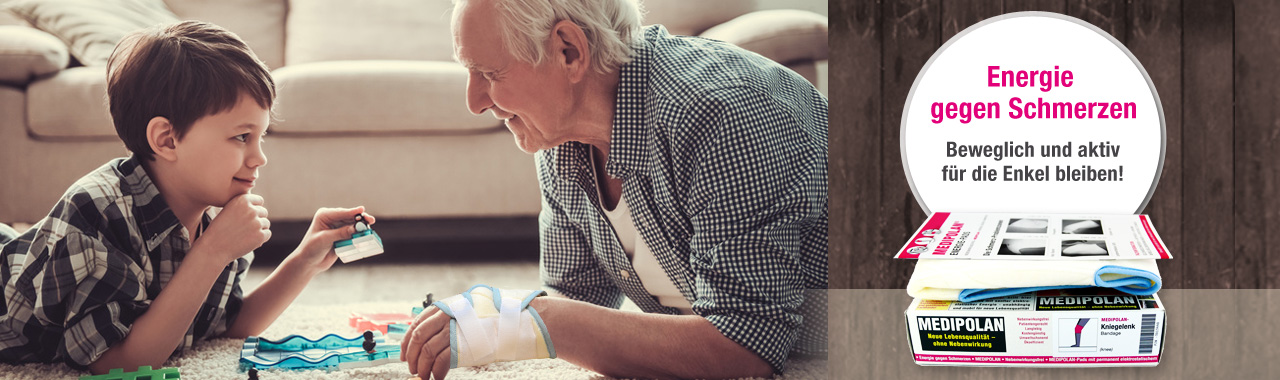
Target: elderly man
(687,174)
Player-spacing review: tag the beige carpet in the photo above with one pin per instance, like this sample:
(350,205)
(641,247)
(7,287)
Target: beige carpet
(218,359)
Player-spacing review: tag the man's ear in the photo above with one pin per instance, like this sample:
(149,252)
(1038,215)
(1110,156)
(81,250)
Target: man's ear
(569,49)
(162,138)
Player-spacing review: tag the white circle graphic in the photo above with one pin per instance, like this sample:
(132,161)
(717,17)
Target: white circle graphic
(1033,112)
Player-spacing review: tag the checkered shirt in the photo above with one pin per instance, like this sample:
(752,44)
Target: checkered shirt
(723,157)
(75,282)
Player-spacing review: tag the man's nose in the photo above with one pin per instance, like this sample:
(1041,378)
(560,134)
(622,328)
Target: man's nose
(478,94)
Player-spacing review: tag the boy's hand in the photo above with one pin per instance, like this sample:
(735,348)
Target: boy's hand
(328,226)
(239,228)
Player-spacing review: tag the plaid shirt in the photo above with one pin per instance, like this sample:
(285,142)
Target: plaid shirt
(723,157)
(76,281)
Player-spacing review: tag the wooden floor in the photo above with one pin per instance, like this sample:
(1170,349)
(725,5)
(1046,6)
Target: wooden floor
(1212,334)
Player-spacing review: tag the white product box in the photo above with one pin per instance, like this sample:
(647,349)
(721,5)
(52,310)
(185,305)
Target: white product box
(1086,327)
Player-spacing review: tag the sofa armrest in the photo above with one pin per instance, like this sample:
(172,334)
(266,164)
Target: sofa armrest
(782,35)
(27,53)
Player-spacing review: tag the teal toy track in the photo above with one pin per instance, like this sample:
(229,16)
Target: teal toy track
(330,352)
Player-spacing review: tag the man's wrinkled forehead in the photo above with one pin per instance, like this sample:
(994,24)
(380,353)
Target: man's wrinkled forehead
(473,31)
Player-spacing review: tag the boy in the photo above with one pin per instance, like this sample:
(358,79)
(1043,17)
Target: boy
(131,264)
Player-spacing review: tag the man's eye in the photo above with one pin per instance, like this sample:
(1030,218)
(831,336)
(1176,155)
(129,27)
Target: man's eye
(489,75)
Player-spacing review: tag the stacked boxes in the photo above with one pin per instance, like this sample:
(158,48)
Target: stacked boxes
(1026,306)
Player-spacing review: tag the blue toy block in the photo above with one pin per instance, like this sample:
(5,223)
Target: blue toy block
(329,352)
(143,373)
(397,331)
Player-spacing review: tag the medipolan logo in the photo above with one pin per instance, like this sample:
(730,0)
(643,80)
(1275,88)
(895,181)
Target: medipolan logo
(1089,300)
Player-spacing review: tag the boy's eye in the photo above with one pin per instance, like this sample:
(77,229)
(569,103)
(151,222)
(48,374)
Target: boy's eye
(242,137)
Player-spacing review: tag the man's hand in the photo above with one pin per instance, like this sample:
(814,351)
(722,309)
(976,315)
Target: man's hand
(426,344)
(239,228)
(328,226)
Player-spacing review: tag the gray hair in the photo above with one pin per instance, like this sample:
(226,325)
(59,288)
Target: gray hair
(609,25)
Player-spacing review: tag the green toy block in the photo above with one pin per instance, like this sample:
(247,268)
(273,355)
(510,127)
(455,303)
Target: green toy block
(143,373)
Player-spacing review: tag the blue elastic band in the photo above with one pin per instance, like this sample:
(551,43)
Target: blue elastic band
(1137,282)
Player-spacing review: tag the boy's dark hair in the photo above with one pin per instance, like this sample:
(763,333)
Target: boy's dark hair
(183,72)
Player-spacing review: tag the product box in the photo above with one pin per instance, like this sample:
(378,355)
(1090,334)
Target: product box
(1029,236)
(1085,327)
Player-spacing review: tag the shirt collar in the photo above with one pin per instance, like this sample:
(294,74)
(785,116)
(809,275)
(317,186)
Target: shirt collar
(151,213)
(628,138)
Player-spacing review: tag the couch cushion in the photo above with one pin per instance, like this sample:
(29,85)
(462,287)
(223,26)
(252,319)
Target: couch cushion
(783,35)
(358,97)
(26,53)
(91,28)
(260,23)
(689,18)
(70,105)
(335,30)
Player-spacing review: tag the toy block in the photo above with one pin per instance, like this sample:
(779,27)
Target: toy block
(364,243)
(143,373)
(377,321)
(397,331)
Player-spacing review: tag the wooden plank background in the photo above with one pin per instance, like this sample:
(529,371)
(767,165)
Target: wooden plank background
(1214,64)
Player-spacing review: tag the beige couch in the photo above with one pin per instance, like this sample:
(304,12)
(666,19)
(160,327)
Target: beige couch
(371,107)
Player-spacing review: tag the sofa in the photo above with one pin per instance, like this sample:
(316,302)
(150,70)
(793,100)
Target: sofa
(370,108)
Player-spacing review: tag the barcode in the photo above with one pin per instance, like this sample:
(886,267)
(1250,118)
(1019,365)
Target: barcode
(1146,341)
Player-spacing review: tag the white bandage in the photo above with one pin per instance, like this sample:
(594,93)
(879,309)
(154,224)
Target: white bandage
(495,325)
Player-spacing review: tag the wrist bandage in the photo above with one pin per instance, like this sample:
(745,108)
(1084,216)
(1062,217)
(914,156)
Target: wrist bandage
(494,325)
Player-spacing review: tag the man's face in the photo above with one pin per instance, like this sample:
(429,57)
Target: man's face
(535,101)
(219,156)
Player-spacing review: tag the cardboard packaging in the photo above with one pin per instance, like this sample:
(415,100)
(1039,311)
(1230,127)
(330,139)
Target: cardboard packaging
(1085,327)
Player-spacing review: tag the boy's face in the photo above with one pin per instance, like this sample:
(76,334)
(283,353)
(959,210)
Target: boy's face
(219,157)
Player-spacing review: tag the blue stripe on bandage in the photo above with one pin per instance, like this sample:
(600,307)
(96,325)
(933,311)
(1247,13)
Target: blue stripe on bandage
(1137,282)
(453,343)
(497,295)
(525,304)
(551,347)
(453,332)
(445,308)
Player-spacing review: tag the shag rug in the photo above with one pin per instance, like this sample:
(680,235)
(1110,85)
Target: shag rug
(219,358)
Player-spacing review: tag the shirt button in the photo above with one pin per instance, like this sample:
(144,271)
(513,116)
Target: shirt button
(624,274)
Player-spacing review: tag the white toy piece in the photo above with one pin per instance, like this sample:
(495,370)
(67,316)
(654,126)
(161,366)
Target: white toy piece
(491,325)
(364,243)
